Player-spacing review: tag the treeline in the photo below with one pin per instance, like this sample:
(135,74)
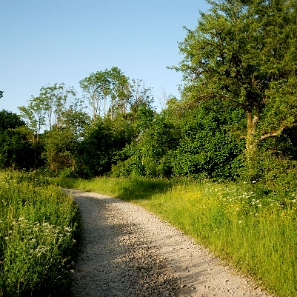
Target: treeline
(57,133)
(236,117)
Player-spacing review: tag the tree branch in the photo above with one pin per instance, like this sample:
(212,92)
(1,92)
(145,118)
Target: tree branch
(274,133)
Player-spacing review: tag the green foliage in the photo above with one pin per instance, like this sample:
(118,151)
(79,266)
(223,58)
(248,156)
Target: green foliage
(59,110)
(59,149)
(110,92)
(229,95)
(16,149)
(50,107)
(244,52)
(274,174)
(101,146)
(9,120)
(38,231)
(149,154)
(209,145)
(201,141)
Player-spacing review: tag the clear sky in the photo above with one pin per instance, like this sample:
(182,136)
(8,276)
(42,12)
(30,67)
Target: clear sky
(53,41)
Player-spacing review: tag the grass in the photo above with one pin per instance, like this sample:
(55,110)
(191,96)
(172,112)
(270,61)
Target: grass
(39,227)
(253,230)
(126,189)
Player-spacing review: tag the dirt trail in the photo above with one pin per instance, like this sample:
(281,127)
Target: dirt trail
(128,251)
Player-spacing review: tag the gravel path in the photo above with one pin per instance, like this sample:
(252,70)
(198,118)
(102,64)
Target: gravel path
(128,251)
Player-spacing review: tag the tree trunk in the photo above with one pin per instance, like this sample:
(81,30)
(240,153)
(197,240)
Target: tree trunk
(251,142)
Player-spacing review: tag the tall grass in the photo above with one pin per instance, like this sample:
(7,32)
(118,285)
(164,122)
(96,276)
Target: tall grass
(254,231)
(38,232)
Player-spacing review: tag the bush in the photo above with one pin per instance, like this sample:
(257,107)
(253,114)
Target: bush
(208,148)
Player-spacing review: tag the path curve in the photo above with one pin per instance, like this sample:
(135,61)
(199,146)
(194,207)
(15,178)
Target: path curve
(127,251)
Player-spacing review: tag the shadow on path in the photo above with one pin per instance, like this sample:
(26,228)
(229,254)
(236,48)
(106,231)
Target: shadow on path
(116,259)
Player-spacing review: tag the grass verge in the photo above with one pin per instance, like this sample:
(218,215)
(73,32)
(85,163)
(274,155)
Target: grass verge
(254,230)
(39,227)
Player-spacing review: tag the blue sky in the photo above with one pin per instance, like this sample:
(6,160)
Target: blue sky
(55,41)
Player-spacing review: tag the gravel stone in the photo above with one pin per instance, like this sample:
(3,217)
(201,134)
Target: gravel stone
(128,252)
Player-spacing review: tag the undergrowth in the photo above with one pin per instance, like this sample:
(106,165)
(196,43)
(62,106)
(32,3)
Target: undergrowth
(39,228)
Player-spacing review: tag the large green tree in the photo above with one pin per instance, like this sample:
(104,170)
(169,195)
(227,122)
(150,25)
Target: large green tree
(245,52)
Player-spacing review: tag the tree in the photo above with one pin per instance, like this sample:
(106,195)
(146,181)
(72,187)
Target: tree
(34,115)
(101,146)
(97,88)
(15,148)
(119,92)
(140,96)
(59,114)
(62,141)
(49,107)
(111,92)
(245,52)
(109,88)
(1,94)
(9,120)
